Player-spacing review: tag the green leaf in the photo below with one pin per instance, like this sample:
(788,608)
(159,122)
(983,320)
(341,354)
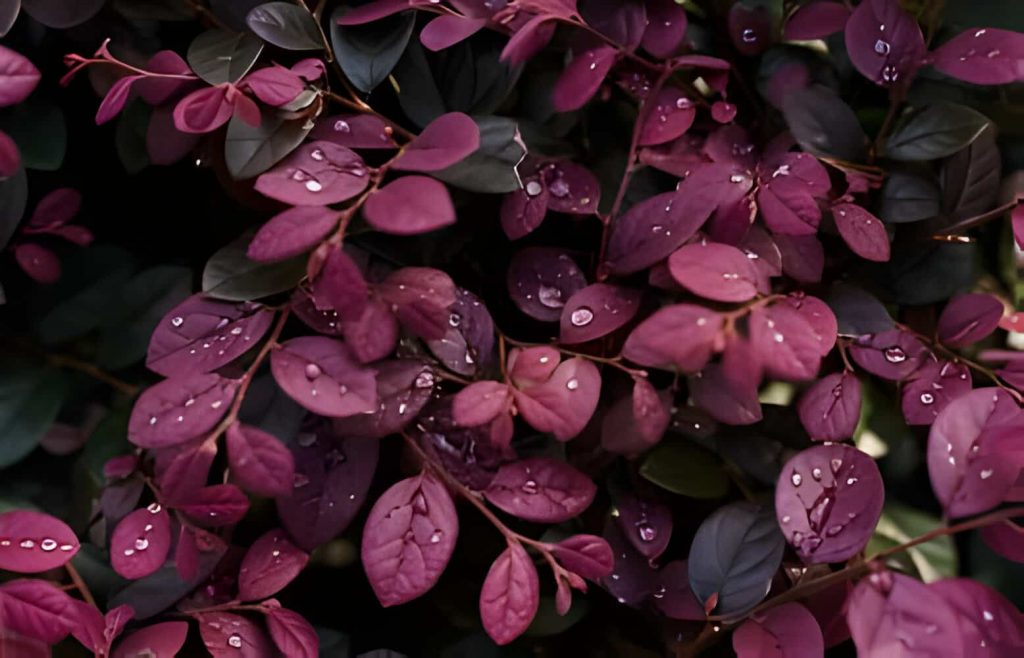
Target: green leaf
(108,440)
(970,178)
(368,53)
(13,197)
(285,25)
(899,524)
(37,126)
(30,398)
(130,137)
(685,468)
(926,273)
(492,167)
(230,275)
(249,151)
(823,124)
(220,56)
(939,130)
(417,92)
(908,197)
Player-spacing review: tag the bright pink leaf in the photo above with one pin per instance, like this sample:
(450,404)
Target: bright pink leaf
(274,85)
(510,595)
(318,173)
(158,641)
(140,542)
(115,99)
(589,556)
(178,409)
(227,635)
(582,78)
(33,542)
(204,110)
(322,375)
(18,77)
(447,140)
(480,403)
(409,206)
(292,232)
(983,56)
(564,404)
(931,388)
(681,336)
(785,342)
(292,634)
(36,609)
(986,619)
(541,489)
(714,271)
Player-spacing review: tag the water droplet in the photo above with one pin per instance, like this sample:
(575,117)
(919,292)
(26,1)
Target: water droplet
(882,47)
(128,552)
(796,479)
(425,380)
(787,519)
(559,188)
(683,103)
(177,321)
(235,641)
(927,398)
(342,126)
(314,186)
(530,487)
(851,481)
(836,464)
(454,319)
(816,474)
(833,530)
(890,74)
(27,543)
(152,420)
(318,155)
(737,178)
(154,508)
(533,188)
(48,545)
(141,544)
(985,474)
(149,527)
(931,629)
(895,354)
(992,54)
(435,538)
(313,371)
(979,33)
(783,170)
(572,384)
(647,532)
(749,36)
(985,613)
(777,337)
(550,296)
(581,317)
(299,481)
(660,593)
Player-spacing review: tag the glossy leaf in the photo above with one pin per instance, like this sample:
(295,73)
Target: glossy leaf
(982,56)
(714,271)
(541,489)
(937,131)
(787,631)
(180,408)
(259,462)
(541,280)
(510,595)
(447,140)
(367,54)
(32,542)
(831,407)
(968,319)
(285,25)
(582,78)
(409,206)
(292,634)
(141,542)
(322,375)
(564,404)
(596,311)
(315,174)
(219,56)
(162,640)
(884,42)
(269,565)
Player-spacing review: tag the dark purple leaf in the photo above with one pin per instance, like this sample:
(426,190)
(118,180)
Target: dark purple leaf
(762,251)
(529,40)
(666,27)
(468,343)
(467,453)
(408,539)
(786,631)
(727,391)
(714,271)
(564,404)
(632,579)
(178,409)
(322,375)
(828,501)
(541,279)
(752,28)
(292,232)
(186,554)
(671,116)
(215,506)
(409,206)
(986,619)
(259,462)
(446,31)
(355,131)
(421,297)
(787,344)
(788,196)
(510,595)
(522,211)
(572,189)
(541,489)
(38,262)
(141,542)
(587,555)
(32,542)
(968,319)
(340,285)
(373,335)
(815,21)
(447,140)
(292,634)
(159,641)
(18,77)
(227,635)
(10,157)
(803,257)
(983,56)
(317,173)
(891,354)
(863,232)
(819,317)
(1005,540)
(672,594)
(884,42)
(582,78)
(269,565)
(404,386)
(182,469)
(596,311)
(165,144)
(36,609)
(830,409)
(374,11)
(681,336)
(647,524)
(932,388)
(622,22)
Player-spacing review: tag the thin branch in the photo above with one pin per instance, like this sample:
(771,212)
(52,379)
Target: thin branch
(94,371)
(80,585)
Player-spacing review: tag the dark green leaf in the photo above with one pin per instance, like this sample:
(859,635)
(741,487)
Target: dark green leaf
(130,137)
(417,91)
(30,398)
(492,168)
(757,456)
(13,197)
(230,275)
(928,272)
(939,130)
(823,124)
(155,593)
(857,311)
(109,439)
(970,178)
(685,468)
(37,126)
(899,524)
(908,197)
(285,25)
(249,151)
(368,53)
(91,279)
(220,56)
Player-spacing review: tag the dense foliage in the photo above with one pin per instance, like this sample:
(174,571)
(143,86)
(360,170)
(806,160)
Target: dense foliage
(511,328)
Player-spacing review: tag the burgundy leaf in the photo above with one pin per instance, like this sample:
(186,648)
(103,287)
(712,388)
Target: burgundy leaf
(829,607)
(404,386)
(564,404)
(785,341)
(447,140)
(666,27)
(1005,540)
(762,251)
(204,110)
(292,232)
(96,631)
(510,595)
(828,501)
(409,206)
(529,40)
(141,542)
(355,131)
(522,211)
(180,470)
(727,391)
(986,619)
(292,634)
(596,311)
(819,317)
(371,336)
(186,554)
(38,262)
(317,173)
(180,408)
(582,78)
(216,506)
(158,90)
(541,489)
(891,354)
(681,336)
(752,28)
(968,319)
(270,564)
(672,593)
(863,232)
(10,156)
(714,271)
(803,257)
(18,77)
(816,20)
(227,635)
(786,631)
(421,298)
(322,375)
(36,609)
(468,343)
(633,578)
(884,42)
(528,366)
(647,524)
(830,409)
(274,85)
(651,410)
(165,144)
(259,462)
(481,402)
(32,542)
(541,279)
(340,284)
(572,189)
(790,187)
(469,454)
(408,539)
(115,99)
(587,555)
(982,56)
(446,31)
(932,388)
(158,641)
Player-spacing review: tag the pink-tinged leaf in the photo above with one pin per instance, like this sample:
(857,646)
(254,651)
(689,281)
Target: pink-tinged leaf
(317,173)
(633,578)
(274,85)
(180,470)
(79,235)
(541,489)
(446,31)
(932,388)
(889,610)
(215,506)
(522,211)
(259,462)
(891,354)
(803,257)
(671,115)
(120,467)
(13,644)
(32,542)
(204,110)
(341,285)
(785,341)
(564,404)
(788,196)
(884,42)
(666,27)
(55,209)
(468,343)
(529,40)
(723,112)
(227,635)
(598,310)
(830,409)
(421,298)
(589,556)
(270,564)
(292,232)
(18,77)
(727,391)
(180,408)
(714,271)
(158,90)
(647,524)
(1005,539)
(404,386)
(409,206)
(480,403)
(322,375)
(572,189)
(157,641)
(863,232)
(140,542)
(201,335)
(358,131)
(292,634)
(829,607)
(541,279)
(10,156)
(244,107)
(982,56)
(89,627)
(408,539)
(186,554)
(786,631)
(582,78)
(968,319)
(371,336)
(447,140)
(115,99)
(672,594)
(165,144)
(828,500)
(816,21)
(36,609)
(819,317)
(651,411)
(38,262)
(532,365)
(966,476)
(681,336)
(332,477)
(510,595)
(986,619)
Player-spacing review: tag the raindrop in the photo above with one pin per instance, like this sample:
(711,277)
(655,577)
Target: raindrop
(927,398)
(436,537)
(581,317)
(533,188)
(985,474)
(748,36)
(28,543)
(737,178)
(530,487)
(833,530)
(342,126)
(299,481)
(882,47)
(572,384)
(851,481)
(237,331)
(796,479)
(787,519)
(177,321)
(313,371)
(895,355)
(154,508)
(647,532)
(559,188)
(660,594)
(314,186)
(783,170)
(683,103)
(816,474)
(306,439)
(550,296)
(979,33)
(890,74)
(318,155)
(128,552)
(235,641)
(454,319)
(985,613)
(48,545)
(993,53)
(836,464)
(141,544)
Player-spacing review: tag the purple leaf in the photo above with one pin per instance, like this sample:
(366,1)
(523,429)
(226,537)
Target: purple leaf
(332,477)
(18,77)
(480,403)
(803,257)
(982,56)
(582,78)
(752,28)
(529,40)
(786,343)
(204,110)
(1005,540)
(672,593)
(202,334)
(10,156)
(884,42)
(115,99)
(292,232)
(598,310)
(315,174)
(819,317)
(421,298)
(32,542)
(292,634)
(564,404)
(816,21)
(36,609)
(446,31)
(38,262)
(373,335)
(408,539)
(790,188)
(180,408)
(522,211)
(828,501)
(714,271)
(159,641)
(409,206)
(404,386)
(322,375)
(259,462)
(932,388)
(341,285)
(863,232)
(165,144)
(651,415)
(467,453)
(141,542)
(541,279)
(830,409)
(227,635)
(447,140)
(891,354)
(186,554)
(968,319)
(532,365)
(269,565)
(274,85)
(587,555)
(158,90)
(510,595)
(727,391)
(467,346)
(666,27)
(986,619)
(786,631)
(572,189)
(632,579)
(647,524)
(180,470)
(355,131)
(541,489)
(216,506)
(681,336)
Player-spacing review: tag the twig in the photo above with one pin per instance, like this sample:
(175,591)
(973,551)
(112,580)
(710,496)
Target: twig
(83,589)
(94,371)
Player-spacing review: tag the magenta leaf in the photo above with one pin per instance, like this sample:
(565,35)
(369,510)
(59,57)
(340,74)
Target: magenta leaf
(355,131)
(815,21)
(522,211)
(163,640)
(36,609)
(374,11)
(582,78)
(651,411)
(215,506)
(115,99)
(819,318)
(589,556)
(33,542)
(481,402)
(447,140)
(38,262)
(446,31)
(572,189)
(510,595)
(180,470)
(292,634)
(788,196)
(204,110)
(932,388)
(884,42)
(681,336)
(404,386)
(982,56)
(714,271)
(968,319)
(647,524)
(1005,540)
(259,462)
(986,619)
(564,404)
(598,310)
(541,489)
(371,336)
(97,632)
(654,228)
(340,285)
(891,354)
(227,635)
(57,208)
(274,85)
(317,173)
(532,365)
(666,27)
(828,501)
(322,375)
(10,156)
(830,409)
(180,408)
(18,77)
(529,39)
(141,542)
(292,232)
(270,564)
(408,539)
(863,232)
(409,206)
(786,631)
(786,343)
(421,297)
(541,280)
(158,90)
